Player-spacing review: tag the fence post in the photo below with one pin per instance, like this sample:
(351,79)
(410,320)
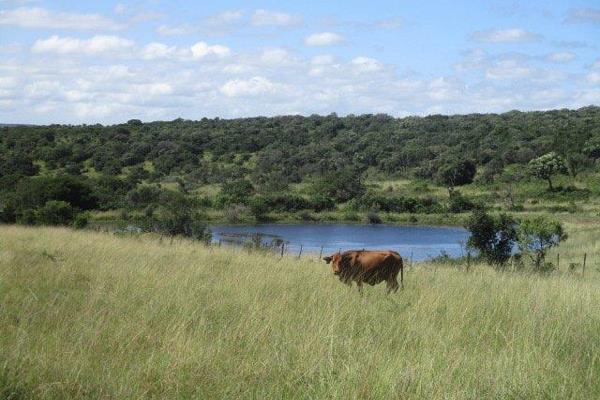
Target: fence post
(321,253)
(411,259)
(557,260)
(584,260)
(468,260)
(282,248)
(219,242)
(300,252)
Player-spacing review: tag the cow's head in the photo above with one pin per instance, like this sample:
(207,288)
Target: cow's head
(335,261)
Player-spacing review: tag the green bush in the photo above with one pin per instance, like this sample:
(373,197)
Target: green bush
(456,172)
(539,234)
(54,213)
(493,237)
(81,220)
(460,203)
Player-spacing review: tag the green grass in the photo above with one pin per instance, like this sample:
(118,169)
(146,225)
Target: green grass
(91,315)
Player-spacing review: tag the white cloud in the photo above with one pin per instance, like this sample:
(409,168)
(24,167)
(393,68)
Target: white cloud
(156,50)
(508,69)
(593,78)
(390,23)
(201,50)
(274,18)
(184,29)
(579,15)
(99,44)
(366,64)
(322,59)
(223,19)
(504,36)
(255,86)
(43,18)
(561,57)
(276,57)
(323,39)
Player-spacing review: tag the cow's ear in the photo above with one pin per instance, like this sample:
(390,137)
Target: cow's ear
(327,259)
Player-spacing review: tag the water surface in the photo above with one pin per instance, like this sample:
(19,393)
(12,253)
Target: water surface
(422,242)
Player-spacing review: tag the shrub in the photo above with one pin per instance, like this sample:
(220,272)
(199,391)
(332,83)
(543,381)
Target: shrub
(456,172)
(538,235)
(258,207)
(373,218)
(54,213)
(33,193)
(81,220)
(342,185)
(144,196)
(320,203)
(493,237)
(459,203)
(235,192)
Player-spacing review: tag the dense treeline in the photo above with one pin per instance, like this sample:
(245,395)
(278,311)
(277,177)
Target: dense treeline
(107,167)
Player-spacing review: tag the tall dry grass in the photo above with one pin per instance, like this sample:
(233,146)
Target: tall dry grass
(90,315)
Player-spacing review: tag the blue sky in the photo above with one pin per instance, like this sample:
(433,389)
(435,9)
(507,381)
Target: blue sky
(107,62)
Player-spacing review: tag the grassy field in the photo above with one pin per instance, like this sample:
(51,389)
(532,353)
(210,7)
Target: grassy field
(92,315)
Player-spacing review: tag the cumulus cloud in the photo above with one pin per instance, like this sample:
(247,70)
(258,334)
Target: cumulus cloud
(582,15)
(42,18)
(512,35)
(224,18)
(255,86)
(274,18)
(366,64)
(184,29)
(217,23)
(322,59)
(156,50)
(99,44)
(201,50)
(323,39)
(276,57)
(508,69)
(163,81)
(561,57)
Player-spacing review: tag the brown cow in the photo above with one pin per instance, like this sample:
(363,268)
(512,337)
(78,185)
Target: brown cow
(368,266)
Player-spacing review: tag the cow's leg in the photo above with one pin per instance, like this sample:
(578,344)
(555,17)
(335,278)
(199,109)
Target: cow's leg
(392,285)
(359,284)
(402,276)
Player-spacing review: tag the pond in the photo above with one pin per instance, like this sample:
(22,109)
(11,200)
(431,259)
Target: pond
(422,242)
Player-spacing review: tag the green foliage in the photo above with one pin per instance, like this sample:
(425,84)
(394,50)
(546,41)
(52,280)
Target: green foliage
(81,220)
(456,172)
(342,185)
(235,192)
(493,237)
(54,213)
(546,166)
(460,203)
(144,196)
(373,218)
(539,234)
(398,204)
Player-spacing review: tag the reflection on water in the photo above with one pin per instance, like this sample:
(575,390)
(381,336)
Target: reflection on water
(420,242)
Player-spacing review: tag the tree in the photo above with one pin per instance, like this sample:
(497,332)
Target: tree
(538,235)
(457,172)
(493,237)
(235,192)
(546,166)
(342,185)
(54,213)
